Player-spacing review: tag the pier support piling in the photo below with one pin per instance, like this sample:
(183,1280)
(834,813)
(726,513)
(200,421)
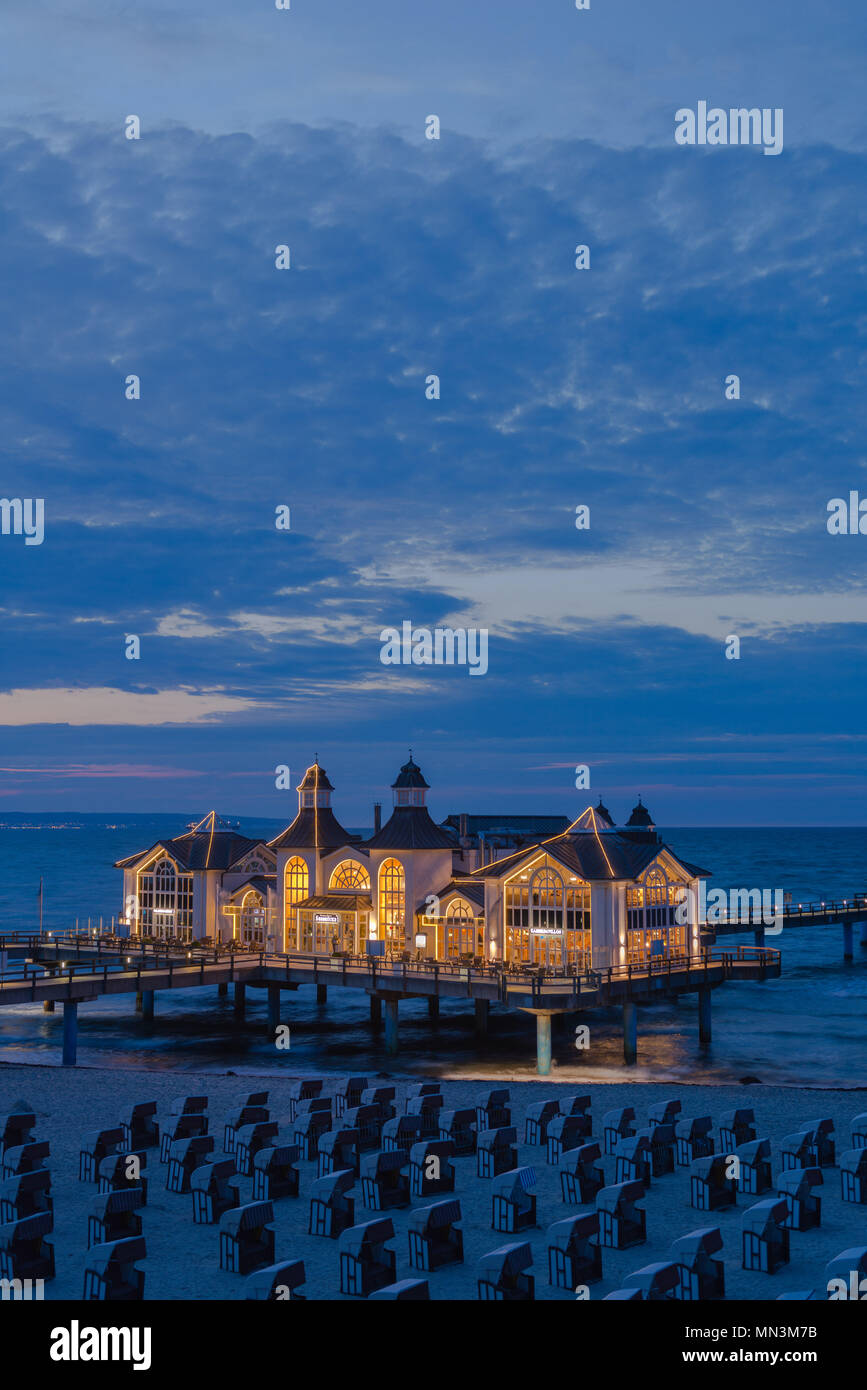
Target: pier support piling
(222,991)
(848,941)
(704,1018)
(240,999)
(864,935)
(273,1008)
(543,1044)
(433,1006)
(483,1010)
(375,1010)
(139,1001)
(321,994)
(48,1006)
(630,1033)
(391,1026)
(70,1032)
(147,1011)
(759,935)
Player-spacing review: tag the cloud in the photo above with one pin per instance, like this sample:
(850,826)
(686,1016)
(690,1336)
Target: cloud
(103,705)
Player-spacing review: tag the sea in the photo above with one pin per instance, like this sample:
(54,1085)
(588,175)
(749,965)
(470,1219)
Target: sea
(809,1028)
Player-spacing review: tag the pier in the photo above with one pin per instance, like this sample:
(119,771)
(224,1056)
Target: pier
(847,913)
(74,970)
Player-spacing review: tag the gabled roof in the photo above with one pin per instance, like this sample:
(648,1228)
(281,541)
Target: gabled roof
(199,849)
(337,902)
(315,827)
(410,827)
(472,890)
(611,857)
(260,882)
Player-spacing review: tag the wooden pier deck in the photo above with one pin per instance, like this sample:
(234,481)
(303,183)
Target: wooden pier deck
(72,970)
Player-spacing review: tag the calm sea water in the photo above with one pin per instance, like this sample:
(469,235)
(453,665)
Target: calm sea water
(807,1028)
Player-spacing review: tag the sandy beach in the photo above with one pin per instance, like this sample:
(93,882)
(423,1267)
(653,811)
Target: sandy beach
(183,1258)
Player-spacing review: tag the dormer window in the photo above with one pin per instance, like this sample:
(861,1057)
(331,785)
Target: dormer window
(401,797)
(308,799)
(418,796)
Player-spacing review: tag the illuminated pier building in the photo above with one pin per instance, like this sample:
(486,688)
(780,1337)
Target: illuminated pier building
(532,890)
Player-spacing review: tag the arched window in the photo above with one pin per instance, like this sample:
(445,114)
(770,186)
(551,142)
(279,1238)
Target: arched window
(392,902)
(655,888)
(457,911)
(295,881)
(351,875)
(165,901)
(546,901)
(253,919)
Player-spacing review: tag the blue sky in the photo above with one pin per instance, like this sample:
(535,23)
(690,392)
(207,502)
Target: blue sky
(306,388)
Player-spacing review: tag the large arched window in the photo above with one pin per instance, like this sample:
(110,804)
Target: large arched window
(252,928)
(655,888)
(546,901)
(295,881)
(392,903)
(165,901)
(350,875)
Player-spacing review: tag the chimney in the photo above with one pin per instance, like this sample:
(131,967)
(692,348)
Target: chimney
(377,817)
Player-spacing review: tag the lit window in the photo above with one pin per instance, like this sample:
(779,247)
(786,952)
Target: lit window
(392,902)
(350,874)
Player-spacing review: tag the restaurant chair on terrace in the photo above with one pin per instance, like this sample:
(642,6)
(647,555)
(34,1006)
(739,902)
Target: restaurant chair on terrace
(17,1129)
(303,1090)
(504,1277)
(384,1185)
(765,1236)
(112,1275)
(795,1186)
(494,1112)
(25,1195)
(859,1131)
(566,1132)
(736,1127)
(431,1171)
(122,1172)
(249,1140)
(401,1132)
(853,1175)
(537,1119)
(190,1125)
(701,1276)
(245,1115)
(214,1191)
(496,1151)
(659,1283)
(367,1119)
(349,1095)
(513,1201)
(140,1127)
(26,1158)
(694,1139)
(580,1179)
(632,1159)
(366,1262)
(332,1210)
(24,1251)
(338,1149)
(754,1167)
(851,1267)
(275,1174)
(405,1290)
(277,1283)
(185,1157)
(621,1221)
(460,1127)
(617,1125)
(710,1187)
(574,1252)
(435,1239)
(94,1148)
(247,1238)
(309,1129)
(114,1217)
